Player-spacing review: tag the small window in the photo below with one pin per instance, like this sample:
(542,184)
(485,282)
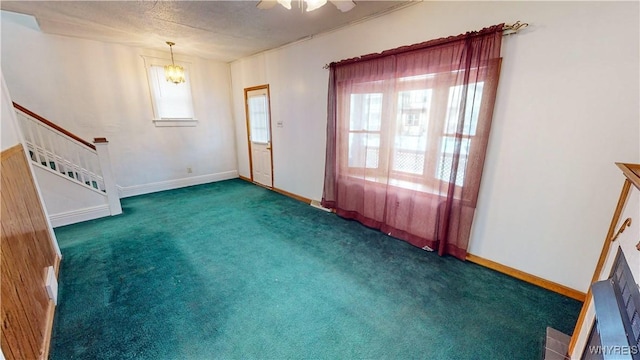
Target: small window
(172,103)
(258,106)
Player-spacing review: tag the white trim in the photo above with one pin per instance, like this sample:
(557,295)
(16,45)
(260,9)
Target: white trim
(76,216)
(175,122)
(134,190)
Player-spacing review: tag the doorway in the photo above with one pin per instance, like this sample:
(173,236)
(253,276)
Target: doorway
(258,113)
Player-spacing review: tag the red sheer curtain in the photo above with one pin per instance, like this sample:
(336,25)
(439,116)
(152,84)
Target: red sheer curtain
(407,133)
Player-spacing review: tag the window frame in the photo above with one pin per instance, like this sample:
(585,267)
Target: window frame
(158,121)
(436,123)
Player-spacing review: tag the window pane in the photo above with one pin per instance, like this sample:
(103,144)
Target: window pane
(364,150)
(365,112)
(472,108)
(408,161)
(444,169)
(445,160)
(412,123)
(173,101)
(259,117)
(449,142)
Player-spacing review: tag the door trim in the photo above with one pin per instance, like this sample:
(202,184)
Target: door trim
(246,114)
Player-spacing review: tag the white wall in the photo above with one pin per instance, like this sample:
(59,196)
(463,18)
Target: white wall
(567,109)
(97,89)
(68,202)
(8,133)
(11,136)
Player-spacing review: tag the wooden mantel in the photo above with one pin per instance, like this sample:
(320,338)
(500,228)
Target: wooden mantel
(632,175)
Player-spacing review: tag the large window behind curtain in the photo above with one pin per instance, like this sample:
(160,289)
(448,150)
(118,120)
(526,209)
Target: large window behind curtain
(407,135)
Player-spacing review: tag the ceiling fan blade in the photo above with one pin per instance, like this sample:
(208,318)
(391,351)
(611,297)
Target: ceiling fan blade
(343,5)
(266,4)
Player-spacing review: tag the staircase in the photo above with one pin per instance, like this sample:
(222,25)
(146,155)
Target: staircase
(58,151)
(82,175)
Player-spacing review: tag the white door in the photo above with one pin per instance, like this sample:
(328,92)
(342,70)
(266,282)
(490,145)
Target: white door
(259,129)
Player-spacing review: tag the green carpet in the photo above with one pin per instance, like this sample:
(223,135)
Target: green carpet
(230,270)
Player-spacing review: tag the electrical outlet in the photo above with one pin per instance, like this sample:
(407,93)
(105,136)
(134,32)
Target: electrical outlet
(189,170)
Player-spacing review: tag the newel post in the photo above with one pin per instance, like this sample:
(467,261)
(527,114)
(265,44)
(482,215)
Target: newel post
(102,148)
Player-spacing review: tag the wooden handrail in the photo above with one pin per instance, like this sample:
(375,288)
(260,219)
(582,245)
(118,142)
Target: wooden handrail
(54,126)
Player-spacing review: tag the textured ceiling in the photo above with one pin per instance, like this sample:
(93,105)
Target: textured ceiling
(219,30)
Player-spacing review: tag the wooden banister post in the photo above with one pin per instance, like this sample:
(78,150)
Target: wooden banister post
(102,148)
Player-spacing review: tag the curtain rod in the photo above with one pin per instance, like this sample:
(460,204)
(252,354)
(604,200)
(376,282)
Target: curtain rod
(513,28)
(507,29)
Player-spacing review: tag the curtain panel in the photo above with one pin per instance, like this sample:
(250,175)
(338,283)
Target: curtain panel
(407,133)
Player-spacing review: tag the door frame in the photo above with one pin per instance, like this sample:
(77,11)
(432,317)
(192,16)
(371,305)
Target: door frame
(248,123)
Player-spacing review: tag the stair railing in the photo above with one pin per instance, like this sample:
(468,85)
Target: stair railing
(60,151)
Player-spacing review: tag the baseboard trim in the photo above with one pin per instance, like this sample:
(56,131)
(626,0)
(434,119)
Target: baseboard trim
(532,279)
(128,191)
(279,191)
(292,195)
(76,216)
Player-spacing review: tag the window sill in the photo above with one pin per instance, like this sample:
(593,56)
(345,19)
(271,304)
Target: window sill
(175,122)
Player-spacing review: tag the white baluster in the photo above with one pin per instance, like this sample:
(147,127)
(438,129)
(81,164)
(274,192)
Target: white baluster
(72,156)
(41,140)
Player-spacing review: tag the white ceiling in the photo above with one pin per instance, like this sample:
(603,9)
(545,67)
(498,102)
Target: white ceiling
(218,30)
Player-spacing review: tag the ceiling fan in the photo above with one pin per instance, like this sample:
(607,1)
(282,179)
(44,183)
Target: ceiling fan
(342,5)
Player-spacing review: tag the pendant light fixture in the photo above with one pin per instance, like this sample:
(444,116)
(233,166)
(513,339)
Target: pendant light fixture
(173,72)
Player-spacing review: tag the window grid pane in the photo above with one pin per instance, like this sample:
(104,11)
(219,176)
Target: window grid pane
(445,160)
(472,107)
(412,123)
(366,112)
(409,161)
(365,121)
(364,150)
